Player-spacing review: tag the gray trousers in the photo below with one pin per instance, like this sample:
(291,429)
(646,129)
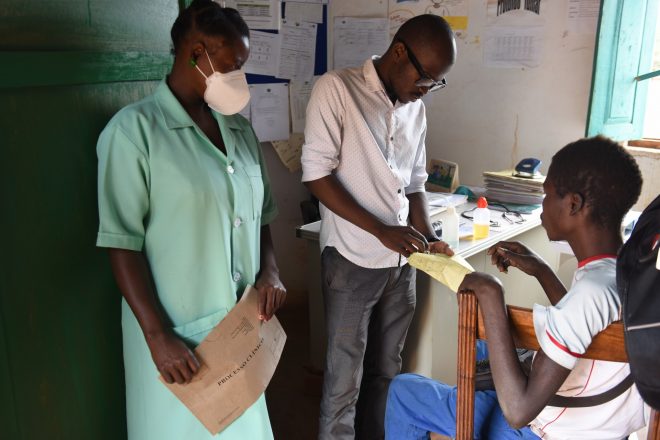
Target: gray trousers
(367,313)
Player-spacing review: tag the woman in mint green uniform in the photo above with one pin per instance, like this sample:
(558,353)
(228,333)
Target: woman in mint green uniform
(184,207)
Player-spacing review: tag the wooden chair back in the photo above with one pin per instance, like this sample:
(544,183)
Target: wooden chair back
(607,345)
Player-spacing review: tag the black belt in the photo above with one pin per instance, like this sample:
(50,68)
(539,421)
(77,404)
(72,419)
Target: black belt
(595,400)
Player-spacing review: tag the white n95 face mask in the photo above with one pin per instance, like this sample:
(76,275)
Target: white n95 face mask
(226,93)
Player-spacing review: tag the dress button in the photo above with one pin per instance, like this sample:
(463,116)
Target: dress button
(237,277)
(391,138)
(399,190)
(237,222)
(230,169)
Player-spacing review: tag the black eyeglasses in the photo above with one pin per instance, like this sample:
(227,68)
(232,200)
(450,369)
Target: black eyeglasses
(425,79)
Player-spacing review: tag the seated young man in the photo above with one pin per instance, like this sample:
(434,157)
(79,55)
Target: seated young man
(590,185)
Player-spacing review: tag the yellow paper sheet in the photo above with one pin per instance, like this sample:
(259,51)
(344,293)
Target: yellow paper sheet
(450,271)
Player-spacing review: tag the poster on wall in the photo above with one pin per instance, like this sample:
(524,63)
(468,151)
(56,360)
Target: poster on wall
(298,51)
(525,10)
(583,16)
(454,11)
(264,53)
(310,12)
(513,46)
(357,39)
(269,109)
(299,94)
(514,34)
(258,14)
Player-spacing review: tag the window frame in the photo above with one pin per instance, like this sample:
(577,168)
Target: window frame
(622,64)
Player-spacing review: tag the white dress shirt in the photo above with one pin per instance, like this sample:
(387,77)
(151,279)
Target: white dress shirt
(374,148)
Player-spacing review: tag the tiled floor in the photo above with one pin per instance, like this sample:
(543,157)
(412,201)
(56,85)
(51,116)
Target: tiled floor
(295,391)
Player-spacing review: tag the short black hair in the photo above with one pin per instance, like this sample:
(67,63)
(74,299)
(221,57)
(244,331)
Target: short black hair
(427,30)
(603,172)
(209,18)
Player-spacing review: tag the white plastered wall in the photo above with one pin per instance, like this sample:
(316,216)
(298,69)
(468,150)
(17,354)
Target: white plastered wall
(490,118)
(649,164)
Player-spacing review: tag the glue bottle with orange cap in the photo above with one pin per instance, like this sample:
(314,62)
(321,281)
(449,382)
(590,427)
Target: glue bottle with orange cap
(481,219)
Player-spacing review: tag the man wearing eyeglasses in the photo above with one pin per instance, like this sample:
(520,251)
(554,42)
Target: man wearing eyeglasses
(364,158)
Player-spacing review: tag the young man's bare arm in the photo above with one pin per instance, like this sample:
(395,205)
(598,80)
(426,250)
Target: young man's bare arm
(521,397)
(507,254)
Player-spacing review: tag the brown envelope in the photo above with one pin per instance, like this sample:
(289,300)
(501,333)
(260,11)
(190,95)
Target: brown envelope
(238,360)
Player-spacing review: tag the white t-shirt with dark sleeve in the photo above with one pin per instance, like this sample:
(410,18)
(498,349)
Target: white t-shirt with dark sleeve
(564,331)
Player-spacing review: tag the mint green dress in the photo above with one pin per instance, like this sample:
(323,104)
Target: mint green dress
(196,213)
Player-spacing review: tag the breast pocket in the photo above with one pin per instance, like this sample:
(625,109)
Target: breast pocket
(257,187)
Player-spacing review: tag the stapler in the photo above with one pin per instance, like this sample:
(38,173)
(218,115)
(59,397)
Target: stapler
(528,168)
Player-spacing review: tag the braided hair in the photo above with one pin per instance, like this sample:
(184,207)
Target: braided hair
(209,18)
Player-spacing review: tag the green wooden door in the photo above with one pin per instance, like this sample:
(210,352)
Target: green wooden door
(65,68)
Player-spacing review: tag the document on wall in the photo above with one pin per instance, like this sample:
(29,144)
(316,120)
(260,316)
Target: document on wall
(238,360)
(513,46)
(320,2)
(583,16)
(514,35)
(290,151)
(258,14)
(264,53)
(269,106)
(357,39)
(515,12)
(299,93)
(298,51)
(311,12)
(454,11)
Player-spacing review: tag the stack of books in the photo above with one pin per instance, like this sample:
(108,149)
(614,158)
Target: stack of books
(505,187)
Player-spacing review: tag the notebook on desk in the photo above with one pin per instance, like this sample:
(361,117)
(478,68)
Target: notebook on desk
(438,201)
(435,210)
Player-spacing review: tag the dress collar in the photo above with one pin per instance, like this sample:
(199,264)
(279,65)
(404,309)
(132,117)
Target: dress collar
(595,258)
(175,115)
(374,84)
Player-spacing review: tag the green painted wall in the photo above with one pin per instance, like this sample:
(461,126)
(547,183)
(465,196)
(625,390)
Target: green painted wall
(65,68)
